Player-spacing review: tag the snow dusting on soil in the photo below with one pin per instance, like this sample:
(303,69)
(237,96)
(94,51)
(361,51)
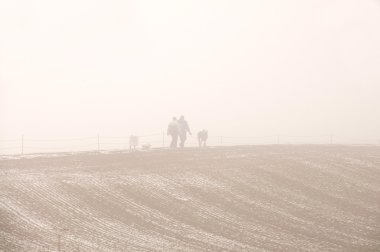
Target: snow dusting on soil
(263,198)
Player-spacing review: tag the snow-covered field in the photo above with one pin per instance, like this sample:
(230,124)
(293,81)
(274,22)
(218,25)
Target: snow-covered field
(263,198)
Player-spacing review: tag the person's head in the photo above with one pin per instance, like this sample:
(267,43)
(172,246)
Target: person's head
(182,117)
(174,118)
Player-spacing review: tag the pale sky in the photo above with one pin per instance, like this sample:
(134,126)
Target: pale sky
(79,68)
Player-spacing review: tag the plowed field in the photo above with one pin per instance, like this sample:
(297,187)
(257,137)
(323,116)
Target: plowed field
(263,198)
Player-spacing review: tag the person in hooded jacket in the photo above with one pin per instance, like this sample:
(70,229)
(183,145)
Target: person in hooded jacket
(173,131)
(183,130)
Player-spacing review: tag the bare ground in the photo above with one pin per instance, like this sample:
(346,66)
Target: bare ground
(263,198)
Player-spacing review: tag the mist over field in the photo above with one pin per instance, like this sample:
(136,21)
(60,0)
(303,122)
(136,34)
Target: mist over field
(203,125)
(248,68)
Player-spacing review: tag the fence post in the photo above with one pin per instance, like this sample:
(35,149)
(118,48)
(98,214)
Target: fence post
(221,140)
(163,139)
(22,145)
(59,237)
(98,143)
(59,243)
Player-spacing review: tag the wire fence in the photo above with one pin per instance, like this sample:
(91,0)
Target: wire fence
(25,145)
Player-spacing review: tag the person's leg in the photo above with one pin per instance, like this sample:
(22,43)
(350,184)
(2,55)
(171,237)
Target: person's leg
(180,141)
(182,138)
(172,142)
(175,140)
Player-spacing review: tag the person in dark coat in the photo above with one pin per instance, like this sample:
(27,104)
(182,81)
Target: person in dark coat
(183,130)
(173,131)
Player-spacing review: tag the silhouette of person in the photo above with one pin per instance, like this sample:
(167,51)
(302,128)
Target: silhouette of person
(173,131)
(183,130)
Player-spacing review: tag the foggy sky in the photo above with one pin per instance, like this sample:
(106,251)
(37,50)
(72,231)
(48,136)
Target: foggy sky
(84,67)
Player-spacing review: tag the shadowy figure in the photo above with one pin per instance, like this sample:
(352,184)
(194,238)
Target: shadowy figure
(173,131)
(183,130)
(133,142)
(202,137)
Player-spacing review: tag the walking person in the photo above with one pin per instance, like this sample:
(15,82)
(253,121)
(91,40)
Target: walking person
(173,131)
(183,130)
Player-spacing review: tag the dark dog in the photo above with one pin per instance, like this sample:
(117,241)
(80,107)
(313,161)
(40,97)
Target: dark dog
(202,138)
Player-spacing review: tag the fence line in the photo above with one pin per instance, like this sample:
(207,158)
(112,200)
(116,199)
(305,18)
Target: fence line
(58,140)
(25,145)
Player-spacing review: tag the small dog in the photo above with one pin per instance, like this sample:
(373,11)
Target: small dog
(133,142)
(146,146)
(202,138)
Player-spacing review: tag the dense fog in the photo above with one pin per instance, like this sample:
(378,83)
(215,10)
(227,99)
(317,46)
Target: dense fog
(239,68)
